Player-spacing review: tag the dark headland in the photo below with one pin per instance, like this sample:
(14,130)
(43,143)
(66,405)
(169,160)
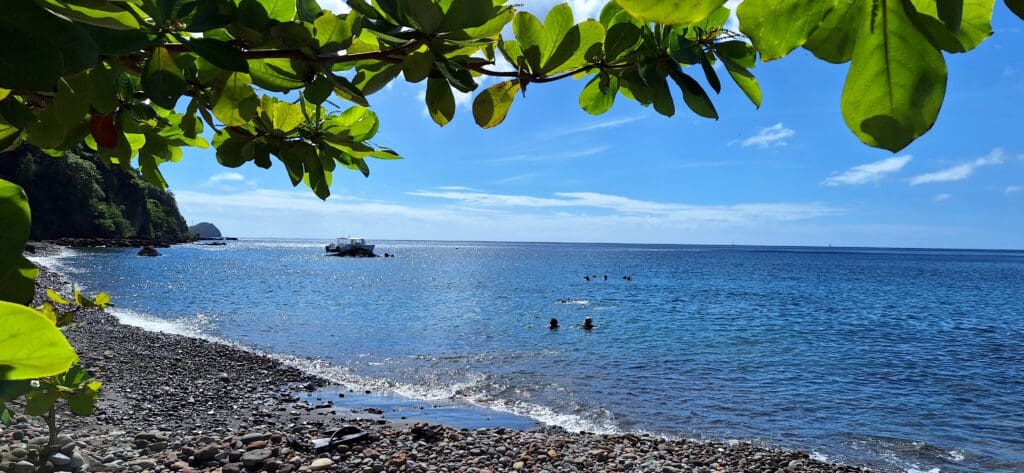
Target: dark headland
(173,403)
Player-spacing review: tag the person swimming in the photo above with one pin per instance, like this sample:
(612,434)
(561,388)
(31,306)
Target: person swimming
(588,323)
(553,325)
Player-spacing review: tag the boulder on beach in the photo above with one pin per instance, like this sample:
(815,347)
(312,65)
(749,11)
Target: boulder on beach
(148,251)
(205,230)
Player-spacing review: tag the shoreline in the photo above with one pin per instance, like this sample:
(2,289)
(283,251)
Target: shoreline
(176,403)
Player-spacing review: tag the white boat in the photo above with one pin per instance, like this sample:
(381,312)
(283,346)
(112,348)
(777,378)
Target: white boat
(350,246)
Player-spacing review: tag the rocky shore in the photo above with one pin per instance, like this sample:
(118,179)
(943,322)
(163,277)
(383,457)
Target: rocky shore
(178,404)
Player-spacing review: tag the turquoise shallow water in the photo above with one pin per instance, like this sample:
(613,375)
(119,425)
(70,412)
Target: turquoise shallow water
(904,360)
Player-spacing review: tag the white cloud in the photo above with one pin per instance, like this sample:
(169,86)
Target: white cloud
(613,123)
(942,197)
(960,171)
(456,188)
(775,135)
(870,172)
(549,157)
(336,6)
(225,177)
(453,215)
(619,205)
(1013,189)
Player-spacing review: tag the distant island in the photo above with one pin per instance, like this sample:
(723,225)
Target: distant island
(205,230)
(77,196)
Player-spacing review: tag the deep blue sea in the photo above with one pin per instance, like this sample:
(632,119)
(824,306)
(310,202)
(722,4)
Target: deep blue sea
(903,360)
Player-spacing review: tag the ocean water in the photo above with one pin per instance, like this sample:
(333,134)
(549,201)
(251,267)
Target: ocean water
(902,360)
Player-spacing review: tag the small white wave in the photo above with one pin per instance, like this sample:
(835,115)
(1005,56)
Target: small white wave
(574,301)
(54,262)
(819,457)
(466,391)
(151,323)
(915,470)
(548,416)
(956,455)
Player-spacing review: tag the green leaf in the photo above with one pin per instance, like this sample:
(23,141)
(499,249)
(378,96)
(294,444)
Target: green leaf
(361,122)
(307,10)
(56,297)
(280,10)
(102,95)
(896,82)
(16,113)
(333,33)
(346,90)
(162,79)
(684,50)
(102,300)
(836,36)
(417,66)
(531,37)
(229,146)
(777,27)
(463,14)
(29,33)
(283,116)
(1017,7)
(596,99)
(18,285)
(744,80)
(11,390)
(426,15)
(220,53)
(557,24)
(458,77)
(6,414)
(621,39)
(491,29)
(40,402)
(211,14)
(235,103)
(277,75)
(17,221)
(318,90)
(372,76)
(694,95)
(83,401)
(954,25)
(671,12)
(710,74)
(57,123)
(737,52)
(30,346)
(440,101)
(663,102)
(491,106)
(581,45)
(100,13)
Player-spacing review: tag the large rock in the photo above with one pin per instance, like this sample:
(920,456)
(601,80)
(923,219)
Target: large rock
(148,251)
(255,457)
(205,230)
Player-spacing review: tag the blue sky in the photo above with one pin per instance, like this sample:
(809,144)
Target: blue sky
(787,174)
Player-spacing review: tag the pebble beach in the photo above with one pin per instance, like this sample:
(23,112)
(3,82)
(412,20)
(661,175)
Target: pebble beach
(174,403)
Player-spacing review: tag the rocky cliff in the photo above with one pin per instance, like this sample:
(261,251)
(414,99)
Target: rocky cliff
(77,196)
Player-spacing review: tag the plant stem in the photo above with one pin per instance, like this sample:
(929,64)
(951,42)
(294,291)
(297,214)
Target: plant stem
(51,424)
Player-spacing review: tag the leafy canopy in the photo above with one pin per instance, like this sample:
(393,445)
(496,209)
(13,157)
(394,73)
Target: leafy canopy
(286,81)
